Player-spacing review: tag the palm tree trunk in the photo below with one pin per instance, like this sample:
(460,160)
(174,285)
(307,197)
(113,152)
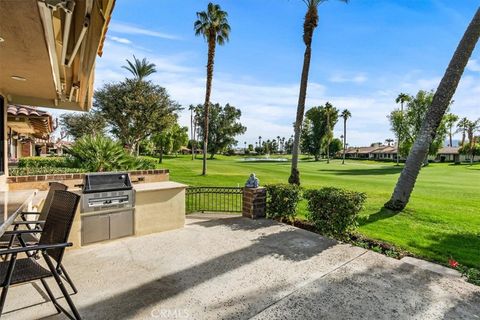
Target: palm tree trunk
(398,138)
(295,174)
(436,111)
(328,137)
(194,146)
(309,25)
(344,139)
(191,133)
(211,58)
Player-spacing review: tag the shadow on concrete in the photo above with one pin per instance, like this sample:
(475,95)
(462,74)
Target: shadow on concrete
(381,292)
(235,223)
(290,245)
(468,308)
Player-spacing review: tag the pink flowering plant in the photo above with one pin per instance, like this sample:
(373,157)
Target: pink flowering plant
(472,275)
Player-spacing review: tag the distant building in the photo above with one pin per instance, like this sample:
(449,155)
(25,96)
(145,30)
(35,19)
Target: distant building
(382,152)
(375,152)
(29,130)
(449,154)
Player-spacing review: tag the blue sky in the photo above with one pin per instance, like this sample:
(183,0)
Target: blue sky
(364,54)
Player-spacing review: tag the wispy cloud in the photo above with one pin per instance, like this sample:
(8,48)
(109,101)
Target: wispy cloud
(340,78)
(120,40)
(473,65)
(269,109)
(125,28)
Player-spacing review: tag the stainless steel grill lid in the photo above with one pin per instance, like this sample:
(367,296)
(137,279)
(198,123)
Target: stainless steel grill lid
(106,181)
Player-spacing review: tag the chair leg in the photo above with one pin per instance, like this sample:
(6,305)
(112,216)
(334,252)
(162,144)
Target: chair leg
(52,268)
(69,280)
(2,299)
(6,283)
(50,295)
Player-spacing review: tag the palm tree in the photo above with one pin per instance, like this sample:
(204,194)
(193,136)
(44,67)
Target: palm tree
(472,128)
(329,110)
(462,127)
(213,26)
(402,98)
(440,103)
(346,114)
(259,140)
(309,25)
(140,69)
(192,130)
(450,120)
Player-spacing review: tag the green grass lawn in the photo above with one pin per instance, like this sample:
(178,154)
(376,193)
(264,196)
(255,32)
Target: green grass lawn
(441,221)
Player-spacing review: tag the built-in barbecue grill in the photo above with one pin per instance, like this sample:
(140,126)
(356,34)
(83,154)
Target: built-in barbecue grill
(107,206)
(107,190)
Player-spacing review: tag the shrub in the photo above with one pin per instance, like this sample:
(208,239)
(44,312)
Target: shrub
(100,153)
(472,275)
(282,200)
(334,211)
(42,162)
(144,163)
(42,170)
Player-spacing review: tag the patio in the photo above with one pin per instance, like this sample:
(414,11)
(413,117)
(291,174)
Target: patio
(224,267)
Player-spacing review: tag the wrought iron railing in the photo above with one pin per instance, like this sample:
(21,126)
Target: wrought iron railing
(214,199)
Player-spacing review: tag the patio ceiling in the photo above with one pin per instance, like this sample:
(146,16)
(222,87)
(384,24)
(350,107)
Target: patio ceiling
(48,50)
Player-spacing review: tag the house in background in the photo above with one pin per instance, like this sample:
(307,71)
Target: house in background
(382,152)
(28,132)
(58,148)
(375,152)
(449,154)
(385,153)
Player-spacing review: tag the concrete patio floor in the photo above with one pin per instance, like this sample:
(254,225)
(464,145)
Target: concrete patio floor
(235,268)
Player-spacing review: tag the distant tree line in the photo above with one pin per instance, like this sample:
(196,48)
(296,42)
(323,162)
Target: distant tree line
(406,123)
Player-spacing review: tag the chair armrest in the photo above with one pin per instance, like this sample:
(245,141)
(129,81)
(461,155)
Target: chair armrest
(29,222)
(28,212)
(15,232)
(40,247)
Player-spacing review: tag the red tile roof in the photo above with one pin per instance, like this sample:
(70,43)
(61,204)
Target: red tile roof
(40,120)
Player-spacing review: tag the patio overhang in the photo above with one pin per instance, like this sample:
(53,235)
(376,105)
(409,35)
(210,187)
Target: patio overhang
(48,50)
(30,121)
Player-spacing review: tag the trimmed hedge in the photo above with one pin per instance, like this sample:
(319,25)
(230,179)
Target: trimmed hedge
(334,211)
(43,162)
(41,171)
(145,163)
(282,201)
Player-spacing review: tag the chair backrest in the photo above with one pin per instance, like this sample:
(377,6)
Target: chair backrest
(54,186)
(59,221)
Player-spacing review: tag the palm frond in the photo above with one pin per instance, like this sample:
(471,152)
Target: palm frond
(212,22)
(140,68)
